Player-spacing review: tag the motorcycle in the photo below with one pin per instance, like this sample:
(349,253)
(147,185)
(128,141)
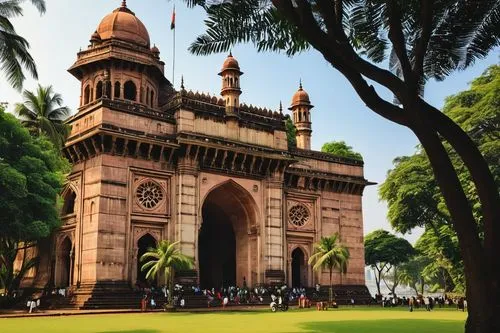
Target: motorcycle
(278,304)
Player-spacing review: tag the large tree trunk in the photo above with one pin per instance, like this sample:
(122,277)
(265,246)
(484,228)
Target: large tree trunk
(479,278)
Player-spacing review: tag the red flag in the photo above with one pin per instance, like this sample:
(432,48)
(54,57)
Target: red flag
(172,24)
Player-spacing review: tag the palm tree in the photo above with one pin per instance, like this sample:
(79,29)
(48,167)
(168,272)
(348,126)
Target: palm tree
(166,258)
(330,254)
(14,55)
(43,113)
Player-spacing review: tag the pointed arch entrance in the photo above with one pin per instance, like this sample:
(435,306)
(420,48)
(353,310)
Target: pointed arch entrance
(143,245)
(64,263)
(225,248)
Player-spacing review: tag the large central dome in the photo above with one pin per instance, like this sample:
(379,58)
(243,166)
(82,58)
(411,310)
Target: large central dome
(122,24)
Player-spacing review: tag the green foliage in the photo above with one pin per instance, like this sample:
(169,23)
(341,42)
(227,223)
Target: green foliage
(411,272)
(459,31)
(384,252)
(165,259)
(43,113)
(340,148)
(31,176)
(14,55)
(412,194)
(383,247)
(330,254)
(291,132)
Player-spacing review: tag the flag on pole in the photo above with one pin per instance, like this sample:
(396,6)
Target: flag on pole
(172,24)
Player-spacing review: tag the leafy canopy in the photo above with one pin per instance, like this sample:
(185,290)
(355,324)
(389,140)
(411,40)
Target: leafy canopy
(340,148)
(31,176)
(383,247)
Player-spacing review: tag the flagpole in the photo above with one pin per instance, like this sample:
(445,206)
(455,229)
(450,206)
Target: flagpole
(173,56)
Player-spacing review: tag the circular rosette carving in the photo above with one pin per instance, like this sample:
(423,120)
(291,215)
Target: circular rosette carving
(149,194)
(299,215)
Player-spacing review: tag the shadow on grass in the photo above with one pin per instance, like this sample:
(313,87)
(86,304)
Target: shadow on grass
(132,331)
(385,326)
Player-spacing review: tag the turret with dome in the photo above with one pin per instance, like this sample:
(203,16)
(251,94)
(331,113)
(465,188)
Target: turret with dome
(119,63)
(301,109)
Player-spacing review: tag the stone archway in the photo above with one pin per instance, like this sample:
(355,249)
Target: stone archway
(64,264)
(299,268)
(143,245)
(227,254)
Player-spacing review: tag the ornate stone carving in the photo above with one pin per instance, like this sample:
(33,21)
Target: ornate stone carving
(299,215)
(149,194)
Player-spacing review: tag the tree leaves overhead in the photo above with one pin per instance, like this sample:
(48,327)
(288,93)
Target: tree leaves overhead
(460,31)
(246,21)
(14,54)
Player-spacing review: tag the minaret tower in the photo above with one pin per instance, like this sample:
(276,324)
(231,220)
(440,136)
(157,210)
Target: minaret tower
(231,91)
(301,109)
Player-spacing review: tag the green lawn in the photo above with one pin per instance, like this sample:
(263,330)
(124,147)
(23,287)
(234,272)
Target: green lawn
(358,320)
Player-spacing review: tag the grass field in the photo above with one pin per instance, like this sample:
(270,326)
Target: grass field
(358,320)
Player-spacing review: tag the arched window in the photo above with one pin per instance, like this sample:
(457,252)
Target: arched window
(152,98)
(107,91)
(86,95)
(129,91)
(300,116)
(147,95)
(98,90)
(117,89)
(69,203)
(236,81)
(231,82)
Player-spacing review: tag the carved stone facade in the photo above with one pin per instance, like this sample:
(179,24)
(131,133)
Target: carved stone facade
(152,163)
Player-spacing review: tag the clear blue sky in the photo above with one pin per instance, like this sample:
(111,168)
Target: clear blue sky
(339,114)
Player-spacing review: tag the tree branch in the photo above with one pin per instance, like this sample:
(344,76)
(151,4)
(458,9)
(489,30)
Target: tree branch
(303,18)
(426,7)
(397,38)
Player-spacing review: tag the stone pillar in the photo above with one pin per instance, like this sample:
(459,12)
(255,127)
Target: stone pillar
(186,230)
(274,232)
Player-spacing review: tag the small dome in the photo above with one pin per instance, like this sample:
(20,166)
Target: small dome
(155,49)
(122,24)
(301,97)
(95,37)
(230,63)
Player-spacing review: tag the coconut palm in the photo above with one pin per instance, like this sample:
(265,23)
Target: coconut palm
(14,55)
(43,113)
(330,254)
(165,259)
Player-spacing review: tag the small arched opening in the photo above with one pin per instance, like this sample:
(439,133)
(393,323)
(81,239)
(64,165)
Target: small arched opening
(98,90)
(144,243)
(65,262)
(86,95)
(299,269)
(152,99)
(129,91)
(117,89)
(69,203)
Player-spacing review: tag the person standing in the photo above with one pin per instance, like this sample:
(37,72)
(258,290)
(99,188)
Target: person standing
(427,303)
(410,304)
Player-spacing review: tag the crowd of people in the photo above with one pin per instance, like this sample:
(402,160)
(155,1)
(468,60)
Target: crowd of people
(425,302)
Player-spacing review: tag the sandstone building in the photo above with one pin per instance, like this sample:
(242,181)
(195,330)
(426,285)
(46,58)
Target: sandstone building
(215,174)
